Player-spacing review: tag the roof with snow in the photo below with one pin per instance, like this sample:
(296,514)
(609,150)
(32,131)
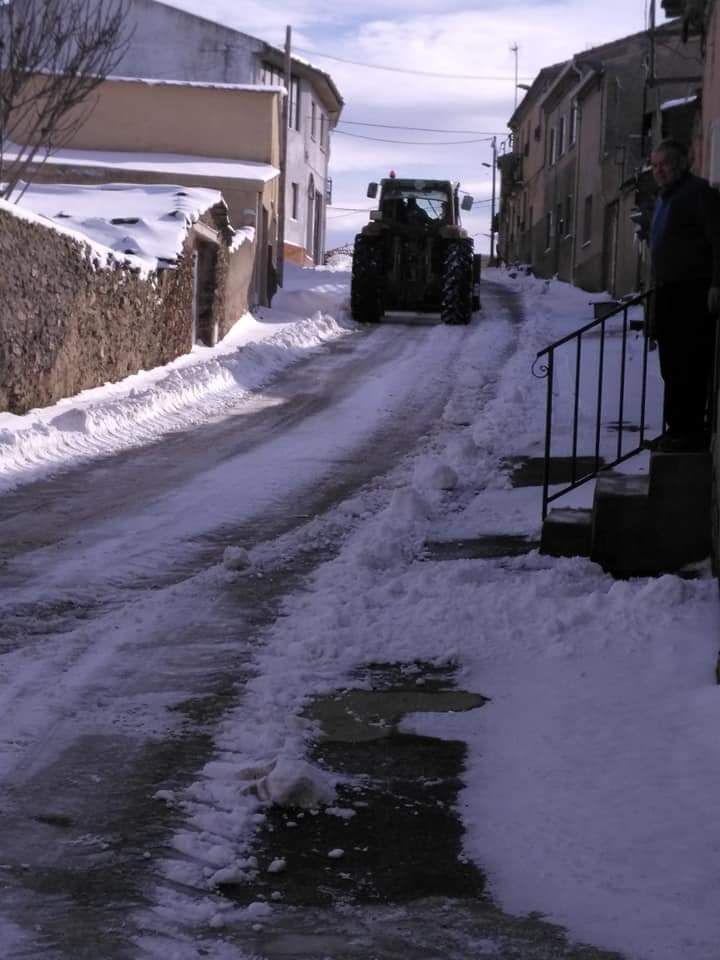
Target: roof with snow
(147,223)
(205,84)
(679,102)
(172,164)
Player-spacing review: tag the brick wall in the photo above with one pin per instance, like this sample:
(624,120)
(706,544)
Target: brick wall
(66,326)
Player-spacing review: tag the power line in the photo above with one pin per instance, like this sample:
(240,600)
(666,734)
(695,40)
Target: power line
(413,143)
(416,73)
(352,213)
(395,126)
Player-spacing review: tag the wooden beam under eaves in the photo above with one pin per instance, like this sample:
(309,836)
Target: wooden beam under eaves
(660,81)
(673,8)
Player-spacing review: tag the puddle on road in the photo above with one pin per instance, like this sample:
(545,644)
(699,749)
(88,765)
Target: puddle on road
(401,888)
(428,929)
(530,471)
(395,819)
(490,547)
(74,850)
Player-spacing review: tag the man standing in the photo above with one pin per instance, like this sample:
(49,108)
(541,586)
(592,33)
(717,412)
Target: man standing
(685,247)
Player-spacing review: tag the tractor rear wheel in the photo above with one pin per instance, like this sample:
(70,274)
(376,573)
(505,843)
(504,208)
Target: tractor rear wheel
(366,287)
(457,288)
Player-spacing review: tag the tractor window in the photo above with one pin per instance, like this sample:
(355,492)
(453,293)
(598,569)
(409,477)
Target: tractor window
(407,204)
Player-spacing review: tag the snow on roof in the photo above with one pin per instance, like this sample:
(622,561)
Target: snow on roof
(205,84)
(173,164)
(680,102)
(302,62)
(147,224)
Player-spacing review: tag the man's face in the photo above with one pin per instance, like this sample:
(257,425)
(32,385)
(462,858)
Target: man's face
(667,167)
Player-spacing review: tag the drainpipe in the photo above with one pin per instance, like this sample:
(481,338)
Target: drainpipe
(576,186)
(651,35)
(556,256)
(284,137)
(623,148)
(576,192)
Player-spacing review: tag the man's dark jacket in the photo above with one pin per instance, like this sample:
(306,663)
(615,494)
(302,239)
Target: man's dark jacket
(685,233)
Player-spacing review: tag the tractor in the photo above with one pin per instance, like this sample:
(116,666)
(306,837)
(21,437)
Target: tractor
(414,257)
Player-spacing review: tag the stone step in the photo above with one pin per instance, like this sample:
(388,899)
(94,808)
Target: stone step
(675,476)
(623,538)
(567,532)
(640,525)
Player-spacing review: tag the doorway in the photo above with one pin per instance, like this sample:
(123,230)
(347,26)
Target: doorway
(610,247)
(317,252)
(310,222)
(204,325)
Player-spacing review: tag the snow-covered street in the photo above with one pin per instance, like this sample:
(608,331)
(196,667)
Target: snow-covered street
(194,562)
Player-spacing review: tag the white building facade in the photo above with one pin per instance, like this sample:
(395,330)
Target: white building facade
(171,44)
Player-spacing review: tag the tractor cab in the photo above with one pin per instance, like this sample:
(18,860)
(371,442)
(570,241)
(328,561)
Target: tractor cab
(430,203)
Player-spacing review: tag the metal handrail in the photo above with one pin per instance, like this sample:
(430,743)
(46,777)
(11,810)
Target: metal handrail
(547,370)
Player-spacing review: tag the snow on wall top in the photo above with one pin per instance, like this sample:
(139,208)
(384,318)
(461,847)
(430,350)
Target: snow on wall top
(97,251)
(206,84)
(679,102)
(175,164)
(147,224)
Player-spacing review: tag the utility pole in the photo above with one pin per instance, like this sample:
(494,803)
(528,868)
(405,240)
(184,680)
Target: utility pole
(492,201)
(282,184)
(651,31)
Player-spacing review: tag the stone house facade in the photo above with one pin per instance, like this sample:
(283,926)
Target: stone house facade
(703,18)
(521,175)
(74,315)
(569,213)
(168,43)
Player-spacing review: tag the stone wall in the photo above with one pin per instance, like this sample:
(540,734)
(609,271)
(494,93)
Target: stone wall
(66,325)
(236,284)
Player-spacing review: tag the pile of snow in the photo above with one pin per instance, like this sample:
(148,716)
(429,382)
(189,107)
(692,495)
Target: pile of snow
(306,314)
(296,783)
(236,558)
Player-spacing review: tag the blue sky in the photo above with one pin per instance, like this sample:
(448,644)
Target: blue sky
(466,38)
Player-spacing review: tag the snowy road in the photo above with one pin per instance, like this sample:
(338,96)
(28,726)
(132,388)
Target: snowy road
(114,609)
(154,703)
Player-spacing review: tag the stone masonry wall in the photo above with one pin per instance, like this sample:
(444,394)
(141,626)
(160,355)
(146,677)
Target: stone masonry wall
(238,281)
(66,326)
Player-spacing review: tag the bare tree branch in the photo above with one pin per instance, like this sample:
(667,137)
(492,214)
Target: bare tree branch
(53,56)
